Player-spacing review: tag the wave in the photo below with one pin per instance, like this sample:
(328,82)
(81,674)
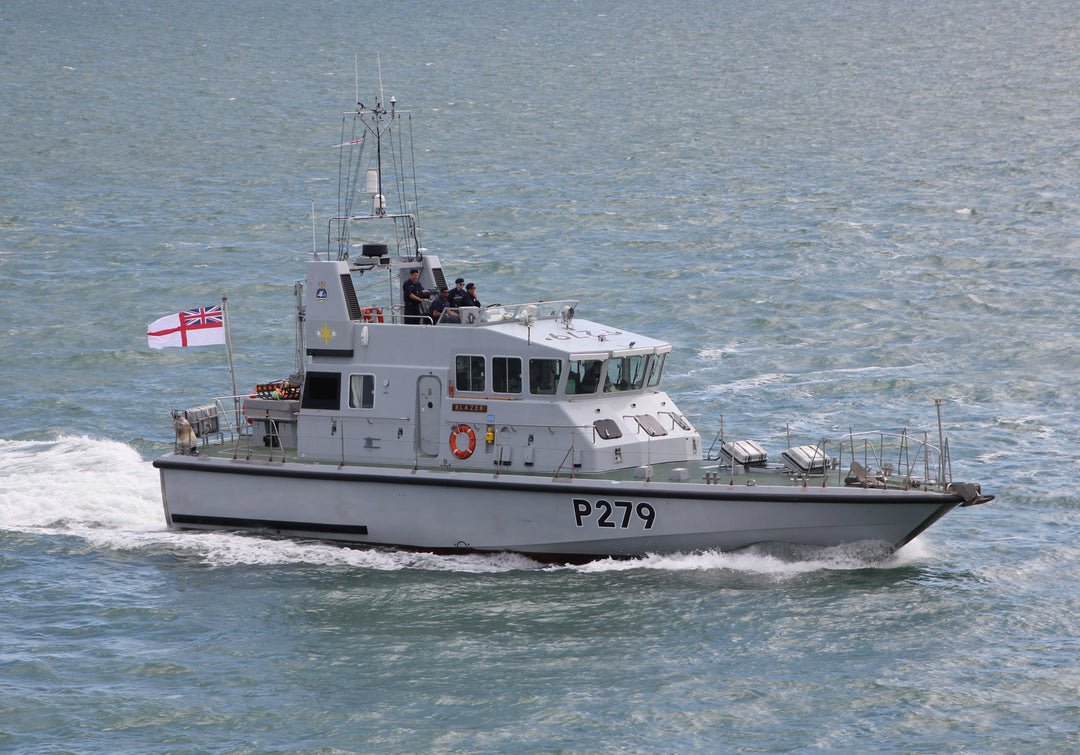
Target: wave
(777,561)
(77,483)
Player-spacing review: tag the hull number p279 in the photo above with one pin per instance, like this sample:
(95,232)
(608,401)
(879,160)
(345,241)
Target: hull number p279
(619,514)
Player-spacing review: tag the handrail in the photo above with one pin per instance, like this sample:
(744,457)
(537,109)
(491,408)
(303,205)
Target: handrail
(910,453)
(525,313)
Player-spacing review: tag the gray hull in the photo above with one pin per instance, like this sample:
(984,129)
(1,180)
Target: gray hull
(560,520)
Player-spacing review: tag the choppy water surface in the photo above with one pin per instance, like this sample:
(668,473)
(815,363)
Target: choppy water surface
(835,214)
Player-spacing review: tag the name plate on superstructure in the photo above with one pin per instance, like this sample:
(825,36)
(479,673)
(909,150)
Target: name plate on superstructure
(478,408)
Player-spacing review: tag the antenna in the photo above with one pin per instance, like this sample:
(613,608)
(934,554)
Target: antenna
(356,76)
(314,237)
(378,60)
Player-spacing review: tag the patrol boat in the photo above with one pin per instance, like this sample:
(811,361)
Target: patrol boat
(523,428)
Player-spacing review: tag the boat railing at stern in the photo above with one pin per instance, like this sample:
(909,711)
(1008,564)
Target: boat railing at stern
(247,426)
(198,426)
(900,460)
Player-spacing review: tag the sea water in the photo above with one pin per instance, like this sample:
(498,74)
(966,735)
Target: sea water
(837,213)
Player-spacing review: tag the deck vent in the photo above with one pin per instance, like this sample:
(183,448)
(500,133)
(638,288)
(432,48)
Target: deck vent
(440,279)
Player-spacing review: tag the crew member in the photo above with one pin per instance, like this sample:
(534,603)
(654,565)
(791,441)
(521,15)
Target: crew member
(413,293)
(470,299)
(458,293)
(440,308)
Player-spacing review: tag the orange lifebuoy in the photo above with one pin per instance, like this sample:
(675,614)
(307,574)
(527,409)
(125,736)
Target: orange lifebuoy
(371,314)
(462,453)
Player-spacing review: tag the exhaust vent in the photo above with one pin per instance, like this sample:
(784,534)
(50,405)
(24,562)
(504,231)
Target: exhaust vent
(349,291)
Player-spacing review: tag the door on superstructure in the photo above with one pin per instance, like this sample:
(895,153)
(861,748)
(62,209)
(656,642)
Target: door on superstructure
(429,414)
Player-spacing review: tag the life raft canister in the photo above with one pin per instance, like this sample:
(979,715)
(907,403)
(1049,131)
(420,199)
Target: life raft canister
(371,314)
(462,453)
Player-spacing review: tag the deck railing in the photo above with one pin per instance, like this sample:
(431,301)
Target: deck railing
(895,460)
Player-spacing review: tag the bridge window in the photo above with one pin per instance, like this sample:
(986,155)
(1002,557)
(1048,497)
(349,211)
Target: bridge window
(584,376)
(506,374)
(656,368)
(544,376)
(625,373)
(469,373)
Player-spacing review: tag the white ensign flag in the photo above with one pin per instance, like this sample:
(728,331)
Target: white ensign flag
(193,327)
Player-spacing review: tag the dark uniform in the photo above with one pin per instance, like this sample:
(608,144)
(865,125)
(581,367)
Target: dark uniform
(458,293)
(412,292)
(469,299)
(439,307)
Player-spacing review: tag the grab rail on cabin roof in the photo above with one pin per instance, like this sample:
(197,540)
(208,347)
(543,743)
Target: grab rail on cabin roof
(526,313)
